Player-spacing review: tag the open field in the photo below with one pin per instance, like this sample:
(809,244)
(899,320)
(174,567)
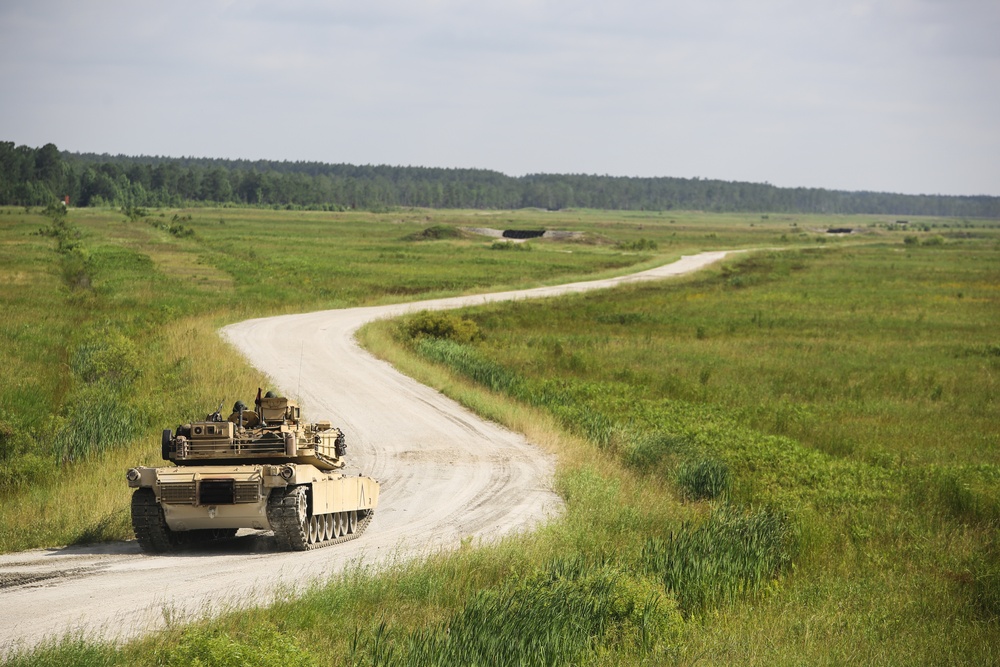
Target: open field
(114,336)
(790,459)
(832,412)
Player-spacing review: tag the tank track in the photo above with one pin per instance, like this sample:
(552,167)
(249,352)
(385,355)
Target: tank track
(149,526)
(154,535)
(287,512)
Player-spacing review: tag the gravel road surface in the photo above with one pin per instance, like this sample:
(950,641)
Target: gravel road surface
(446,476)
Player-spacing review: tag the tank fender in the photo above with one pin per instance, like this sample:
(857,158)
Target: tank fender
(141,477)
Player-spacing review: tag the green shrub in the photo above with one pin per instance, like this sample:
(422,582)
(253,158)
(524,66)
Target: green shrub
(638,245)
(13,440)
(106,356)
(437,232)
(174,227)
(441,325)
(21,466)
(134,213)
(24,470)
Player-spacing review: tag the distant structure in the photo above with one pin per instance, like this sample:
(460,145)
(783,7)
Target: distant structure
(523,233)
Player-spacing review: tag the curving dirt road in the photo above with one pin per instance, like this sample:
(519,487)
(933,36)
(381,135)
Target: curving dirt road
(446,476)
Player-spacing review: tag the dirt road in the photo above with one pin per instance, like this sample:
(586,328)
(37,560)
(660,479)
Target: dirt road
(446,476)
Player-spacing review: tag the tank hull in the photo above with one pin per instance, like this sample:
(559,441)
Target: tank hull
(304,505)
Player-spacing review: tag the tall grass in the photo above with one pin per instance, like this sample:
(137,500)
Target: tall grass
(557,617)
(731,556)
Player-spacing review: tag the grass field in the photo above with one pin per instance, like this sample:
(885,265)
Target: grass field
(791,458)
(830,414)
(110,328)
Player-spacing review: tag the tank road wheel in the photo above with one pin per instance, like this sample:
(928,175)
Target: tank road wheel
(352,522)
(328,527)
(151,530)
(315,529)
(288,514)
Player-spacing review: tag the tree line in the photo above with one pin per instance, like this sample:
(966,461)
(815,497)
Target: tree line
(38,176)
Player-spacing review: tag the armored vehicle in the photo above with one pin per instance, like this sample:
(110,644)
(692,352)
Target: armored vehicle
(263,468)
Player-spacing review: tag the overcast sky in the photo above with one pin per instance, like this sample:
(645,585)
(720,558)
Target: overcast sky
(888,95)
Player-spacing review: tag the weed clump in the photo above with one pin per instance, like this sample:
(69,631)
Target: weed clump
(983,581)
(174,227)
(436,233)
(467,361)
(730,556)
(638,245)
(703,479)
(20,466)
(443,326)
(510,245)
(648,451)
(964,493)
(264,647)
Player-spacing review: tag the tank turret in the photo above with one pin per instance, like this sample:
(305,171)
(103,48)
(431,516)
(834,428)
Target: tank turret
(273,433)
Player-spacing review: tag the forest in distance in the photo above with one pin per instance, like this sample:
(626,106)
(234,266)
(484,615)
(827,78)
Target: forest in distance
(39,176)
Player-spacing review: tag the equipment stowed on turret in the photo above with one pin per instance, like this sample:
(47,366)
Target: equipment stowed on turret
(263,469)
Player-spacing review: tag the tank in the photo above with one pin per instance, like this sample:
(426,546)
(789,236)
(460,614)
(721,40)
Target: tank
(261,468)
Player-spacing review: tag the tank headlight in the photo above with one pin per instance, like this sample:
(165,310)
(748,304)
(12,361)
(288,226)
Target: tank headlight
(133,475)
(287,472)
